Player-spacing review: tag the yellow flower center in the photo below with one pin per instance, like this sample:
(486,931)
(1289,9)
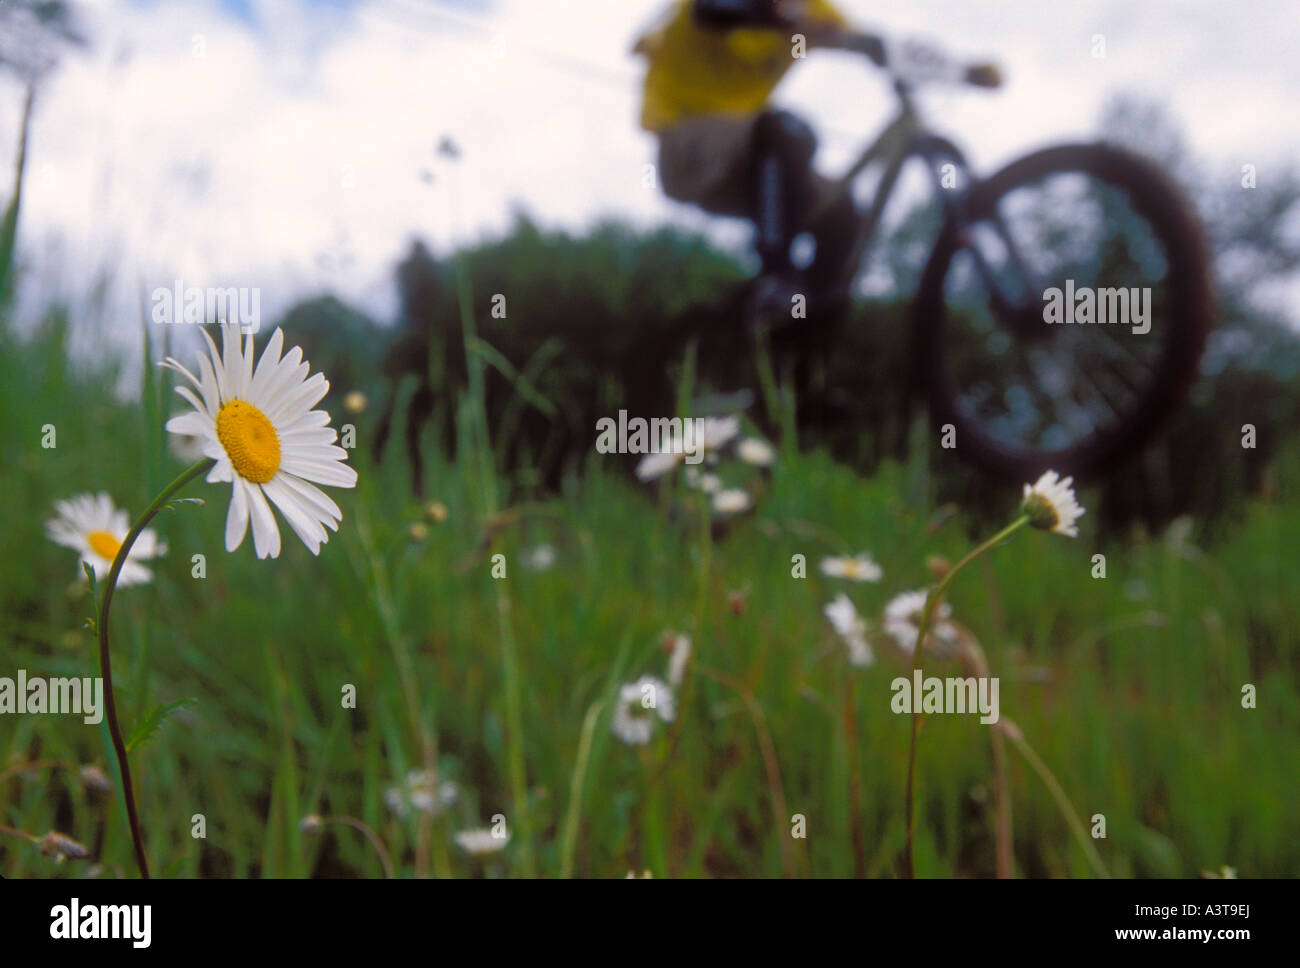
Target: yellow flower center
(852,569)
(250,441)
(103,544)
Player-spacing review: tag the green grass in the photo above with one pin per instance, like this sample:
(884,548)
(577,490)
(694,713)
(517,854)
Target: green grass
(1128,688)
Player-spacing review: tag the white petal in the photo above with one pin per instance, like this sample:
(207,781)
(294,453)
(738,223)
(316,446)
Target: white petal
(325,508)
(267,365)
(266,534)
(304,525)
(237,516)
(193,424)
(320,472)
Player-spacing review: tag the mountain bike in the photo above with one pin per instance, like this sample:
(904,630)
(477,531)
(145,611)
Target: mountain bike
(1005,342)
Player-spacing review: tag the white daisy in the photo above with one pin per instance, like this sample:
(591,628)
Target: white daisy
(267,442)
(753,450)
(718,431)
(903,621)
(707,482)
(638,704)
(482,841)
(731,501)
(422,793)
(850,627)
(854,568)
(1051,505)
(91,525)
(657,465)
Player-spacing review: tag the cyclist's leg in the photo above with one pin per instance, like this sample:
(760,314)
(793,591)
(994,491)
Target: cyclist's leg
(834,226)
(704,161)
(781,184)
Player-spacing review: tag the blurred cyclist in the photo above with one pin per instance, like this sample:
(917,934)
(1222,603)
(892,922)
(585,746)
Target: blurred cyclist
(712,67)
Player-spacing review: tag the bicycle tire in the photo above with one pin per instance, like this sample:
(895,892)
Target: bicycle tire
(1173,222)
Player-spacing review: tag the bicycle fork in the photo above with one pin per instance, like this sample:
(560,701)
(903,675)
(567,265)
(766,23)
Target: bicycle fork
(1012,285)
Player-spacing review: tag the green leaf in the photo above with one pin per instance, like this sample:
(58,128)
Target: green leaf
(145,729)
(171,505)
(90,577)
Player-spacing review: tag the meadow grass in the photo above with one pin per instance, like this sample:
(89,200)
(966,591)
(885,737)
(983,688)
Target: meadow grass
(1129,688)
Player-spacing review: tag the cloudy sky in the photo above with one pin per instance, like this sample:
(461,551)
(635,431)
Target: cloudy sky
(281,143)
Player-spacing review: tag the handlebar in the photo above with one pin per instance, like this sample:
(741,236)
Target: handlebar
(890,57)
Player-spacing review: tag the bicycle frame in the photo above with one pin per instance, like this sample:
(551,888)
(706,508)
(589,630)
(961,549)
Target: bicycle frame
(906,136)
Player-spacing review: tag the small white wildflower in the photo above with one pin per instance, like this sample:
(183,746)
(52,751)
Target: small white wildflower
(855,568)
(652,466)
(638,704)
(850,627)
(718,431)
(753,450)
(732,500)
(903,621)
(481,841)
(1051,505)
(420,792)
(707,482)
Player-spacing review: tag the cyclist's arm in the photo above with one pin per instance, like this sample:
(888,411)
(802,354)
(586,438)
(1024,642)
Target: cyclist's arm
(785,15)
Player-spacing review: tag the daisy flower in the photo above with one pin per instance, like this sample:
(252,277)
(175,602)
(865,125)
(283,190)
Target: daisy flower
(92,526)
(850,627)
(1051,505)
(258,425)
(638,704)
(854,568)
(652,466)
(732,500)
(707,482)
(716,432)
(420,791)
(903,621)
(753,450)
(481,841)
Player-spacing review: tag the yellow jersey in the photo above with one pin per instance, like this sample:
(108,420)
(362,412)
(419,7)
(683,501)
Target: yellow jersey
(696,70)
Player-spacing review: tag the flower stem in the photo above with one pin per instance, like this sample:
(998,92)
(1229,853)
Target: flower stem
(367,832)
(931,603)
(1062,801)
(105,662)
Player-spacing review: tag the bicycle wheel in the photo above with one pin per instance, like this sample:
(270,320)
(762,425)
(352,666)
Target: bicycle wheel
(1030,371)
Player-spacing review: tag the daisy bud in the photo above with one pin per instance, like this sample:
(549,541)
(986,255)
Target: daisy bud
(355,402)
(436,512)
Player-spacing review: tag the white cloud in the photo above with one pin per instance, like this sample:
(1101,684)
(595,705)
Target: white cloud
(287,156)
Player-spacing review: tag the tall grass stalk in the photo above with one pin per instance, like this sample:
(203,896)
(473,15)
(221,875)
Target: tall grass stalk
(931,603)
